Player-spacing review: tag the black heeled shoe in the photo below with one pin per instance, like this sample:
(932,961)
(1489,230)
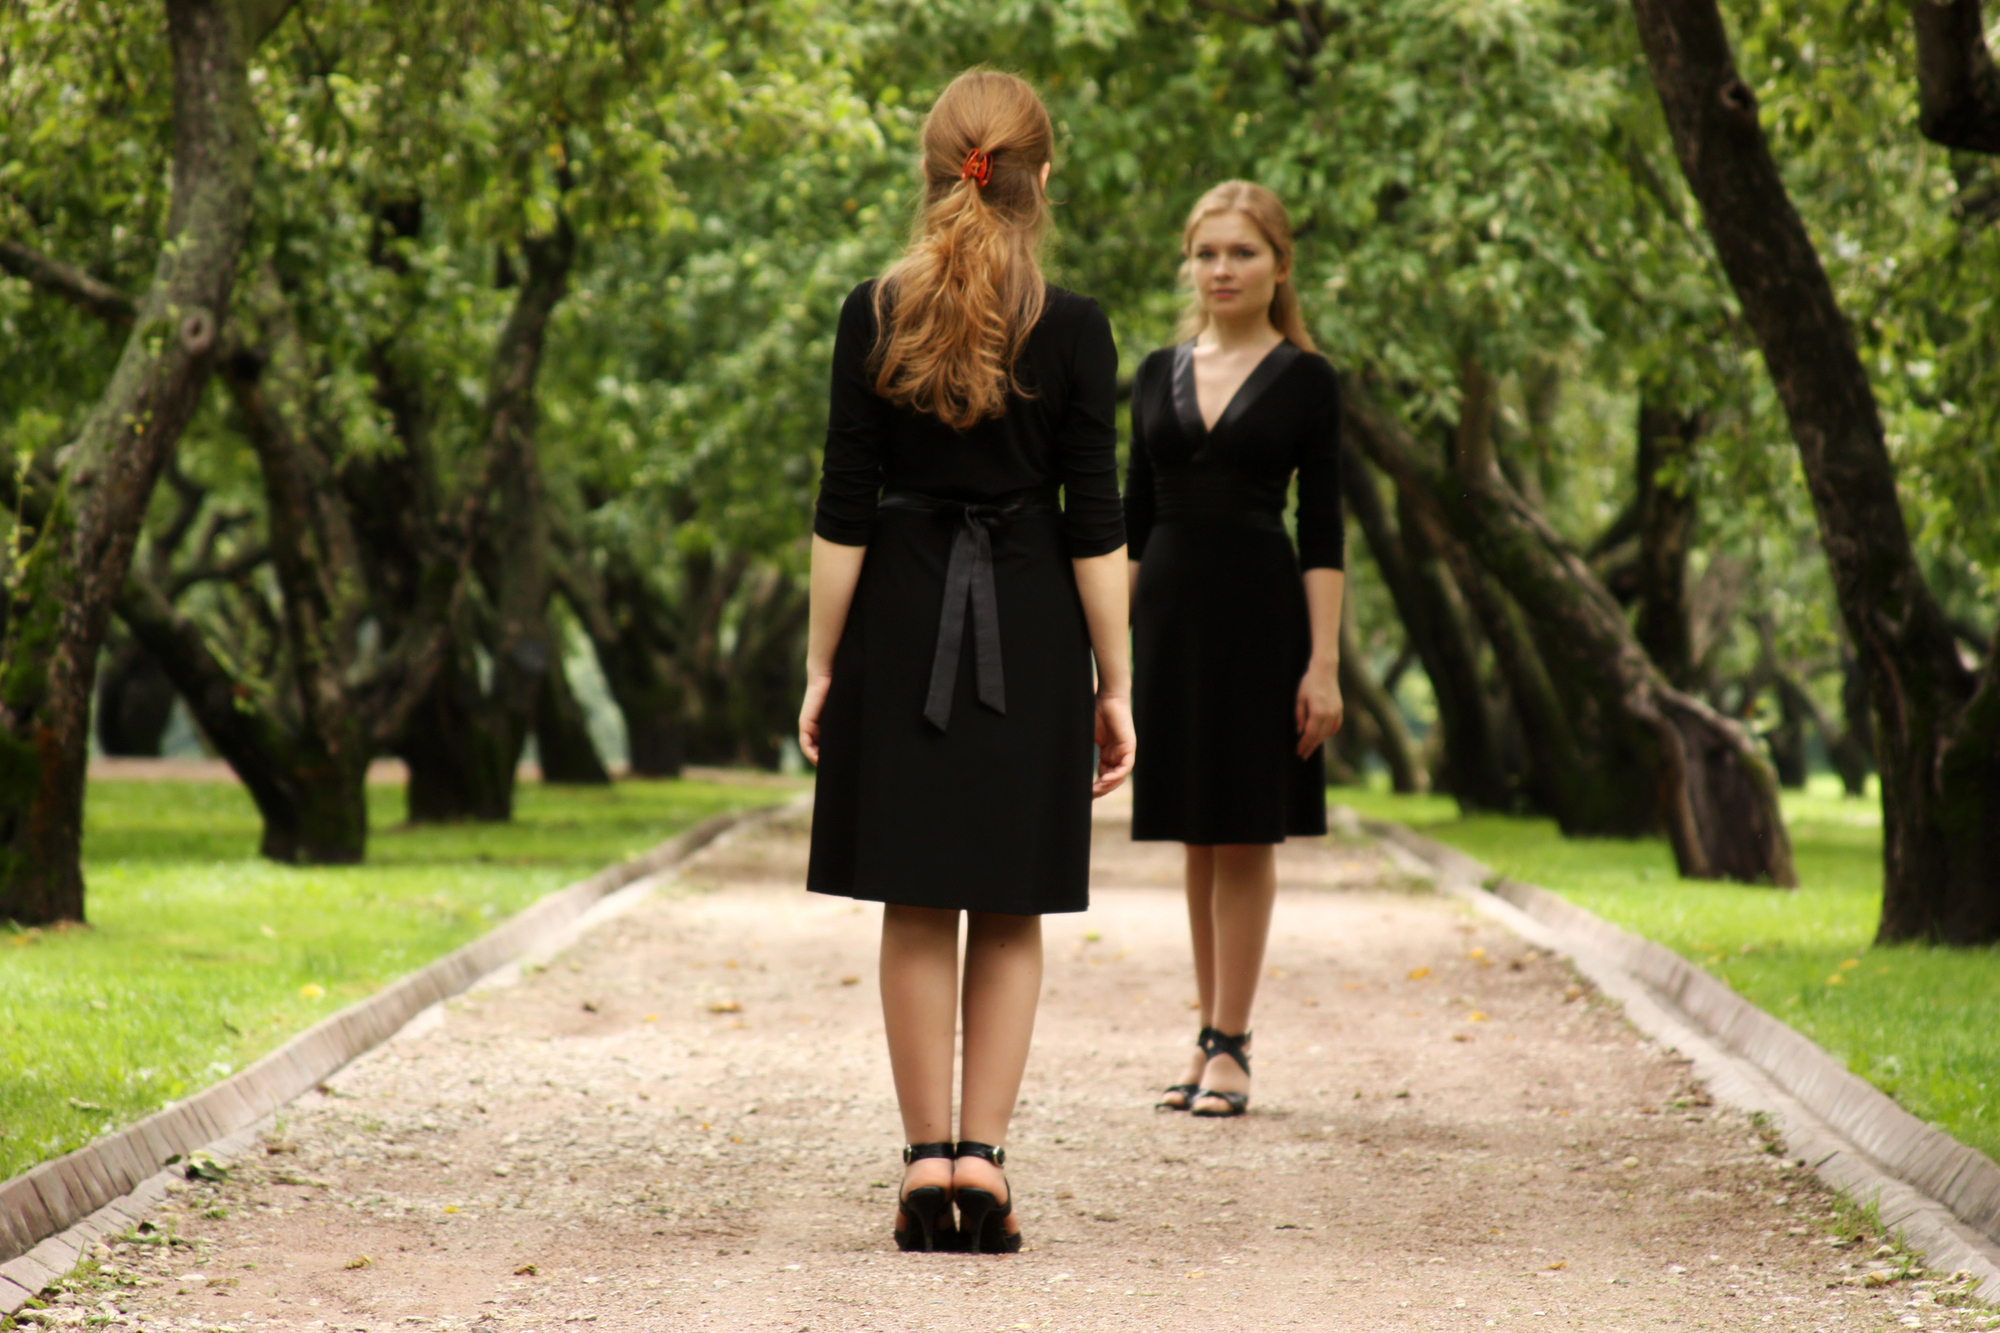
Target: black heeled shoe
(927,1206)
(982,1218)
(1185,1091)
(1237,1102)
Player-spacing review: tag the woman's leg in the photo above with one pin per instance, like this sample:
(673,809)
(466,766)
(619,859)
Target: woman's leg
(920,1011)
(1003,986)
(1201,933)
(1246,886)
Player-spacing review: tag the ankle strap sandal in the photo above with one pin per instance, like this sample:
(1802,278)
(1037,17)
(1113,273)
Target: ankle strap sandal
(928,1206)
(1216,1043)
(982,1218)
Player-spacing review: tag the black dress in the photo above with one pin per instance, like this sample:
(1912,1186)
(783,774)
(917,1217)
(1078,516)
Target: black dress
(1220,629)
(929,794)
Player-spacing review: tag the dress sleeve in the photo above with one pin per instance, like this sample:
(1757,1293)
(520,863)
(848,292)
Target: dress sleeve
(1138,476)
(1322,527)
(1087,442)
(857,420)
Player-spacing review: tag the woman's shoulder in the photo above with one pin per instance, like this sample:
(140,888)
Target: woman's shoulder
(1063,309)
(1316,369)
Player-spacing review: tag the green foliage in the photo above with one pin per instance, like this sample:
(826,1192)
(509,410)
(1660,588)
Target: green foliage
(1921,1024)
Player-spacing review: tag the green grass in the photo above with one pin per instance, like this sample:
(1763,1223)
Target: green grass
(1922,1024)
(200,957)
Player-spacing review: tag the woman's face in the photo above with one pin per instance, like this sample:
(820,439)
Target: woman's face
(1235,271)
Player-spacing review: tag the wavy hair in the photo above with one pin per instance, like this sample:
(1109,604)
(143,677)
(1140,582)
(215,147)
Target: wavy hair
(1268,215)
(956,309)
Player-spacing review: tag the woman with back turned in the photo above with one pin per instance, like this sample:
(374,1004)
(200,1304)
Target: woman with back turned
(949,702)
(1235,639)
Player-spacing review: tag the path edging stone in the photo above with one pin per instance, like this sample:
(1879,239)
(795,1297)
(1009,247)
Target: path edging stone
(48,1213)
(1943,1195)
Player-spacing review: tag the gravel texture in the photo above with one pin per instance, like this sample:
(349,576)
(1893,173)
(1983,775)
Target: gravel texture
(686,1122)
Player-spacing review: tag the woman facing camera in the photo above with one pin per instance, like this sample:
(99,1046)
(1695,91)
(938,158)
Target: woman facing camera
(1235,637)
(956,607)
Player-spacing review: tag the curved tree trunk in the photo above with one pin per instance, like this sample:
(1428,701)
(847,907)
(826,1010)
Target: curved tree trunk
(1390,737)
(1709,788)
(1666,520)
(1937,722)
(70,577)
(1475,770)
(135,702)
(562,734)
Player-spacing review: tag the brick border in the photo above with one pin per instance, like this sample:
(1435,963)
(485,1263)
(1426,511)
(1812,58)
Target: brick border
(92,1185)
(1943,1195)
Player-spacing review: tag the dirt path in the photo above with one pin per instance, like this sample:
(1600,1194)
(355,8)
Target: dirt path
(687,1123)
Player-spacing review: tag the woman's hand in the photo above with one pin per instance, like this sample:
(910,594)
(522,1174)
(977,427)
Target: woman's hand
(1117,744)
(816,687)
(1319,709)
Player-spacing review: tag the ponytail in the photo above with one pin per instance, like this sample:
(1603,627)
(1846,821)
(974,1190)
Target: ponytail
(956,310)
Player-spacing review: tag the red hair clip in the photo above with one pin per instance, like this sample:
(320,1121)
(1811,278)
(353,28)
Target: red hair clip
(978,167)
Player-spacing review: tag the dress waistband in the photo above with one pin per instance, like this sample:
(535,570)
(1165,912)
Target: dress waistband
(968,575)
(1214,496)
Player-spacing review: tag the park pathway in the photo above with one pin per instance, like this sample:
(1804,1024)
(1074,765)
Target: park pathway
(686,1122)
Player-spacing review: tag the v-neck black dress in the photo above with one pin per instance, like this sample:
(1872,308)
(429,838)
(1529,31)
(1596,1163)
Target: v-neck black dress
(1220,630)
(929,794)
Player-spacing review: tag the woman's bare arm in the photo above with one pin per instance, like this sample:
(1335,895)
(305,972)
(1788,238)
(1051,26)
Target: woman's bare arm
(1103,583)
(836,569)
(1319,709)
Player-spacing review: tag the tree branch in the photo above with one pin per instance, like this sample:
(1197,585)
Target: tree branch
(72,284)
(1958,91)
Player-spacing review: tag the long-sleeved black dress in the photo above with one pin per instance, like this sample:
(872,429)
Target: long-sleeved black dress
(1221,634)
(956,750)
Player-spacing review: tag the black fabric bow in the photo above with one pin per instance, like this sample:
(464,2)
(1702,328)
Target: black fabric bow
(968,576)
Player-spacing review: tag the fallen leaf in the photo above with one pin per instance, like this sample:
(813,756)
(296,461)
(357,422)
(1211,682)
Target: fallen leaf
(84,1106)
(1091,937)
(268,933)
(451,1208)
(652,1018)
(1836,980)
(1461,1036)
(1560,1263)
(850,981)
(1475,953)
(1275,973)
(1199,1273)
(1879,1280)
(1475,1017)
(359,1261)
(1630,1162)
(312,990)
(200,1166)
(1572,992)
(1848,964)
(525,1270)
(1419,973)
(590,1006)
(724,1007)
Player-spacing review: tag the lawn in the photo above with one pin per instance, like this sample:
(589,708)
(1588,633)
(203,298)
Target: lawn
(200,957)
(1922,1024)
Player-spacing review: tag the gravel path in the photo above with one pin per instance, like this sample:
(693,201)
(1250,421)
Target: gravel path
(686,1123)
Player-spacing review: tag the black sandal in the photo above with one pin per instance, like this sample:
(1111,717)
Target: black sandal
(982,1218)
(1215,1043)
(1186,1091)
(925,1206)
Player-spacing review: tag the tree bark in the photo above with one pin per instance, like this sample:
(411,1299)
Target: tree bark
(1391,738)
(1475,771)
(69,579)
(465,742)
(135,702)
(1937,723)
(562,734)
(1666,521)
(621,617)
(1598,708)
(1958,91)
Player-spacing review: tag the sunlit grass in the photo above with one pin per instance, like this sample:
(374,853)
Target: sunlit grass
(200,957)
(1922,1024)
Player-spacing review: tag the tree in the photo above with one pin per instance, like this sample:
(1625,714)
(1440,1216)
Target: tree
(68,579)
(1937,722)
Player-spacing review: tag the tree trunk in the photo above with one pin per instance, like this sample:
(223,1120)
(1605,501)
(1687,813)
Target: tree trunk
(314,807)
(562,734)
(464,741)
(1937,722)
(1475,771)
(70,577)
(135,702)
(1666,520)
(1958,91)
(1708,787)
(629,643)
(1392,738)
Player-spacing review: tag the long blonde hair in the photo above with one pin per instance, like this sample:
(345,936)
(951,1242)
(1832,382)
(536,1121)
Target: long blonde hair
(956,309)
(1264,210)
